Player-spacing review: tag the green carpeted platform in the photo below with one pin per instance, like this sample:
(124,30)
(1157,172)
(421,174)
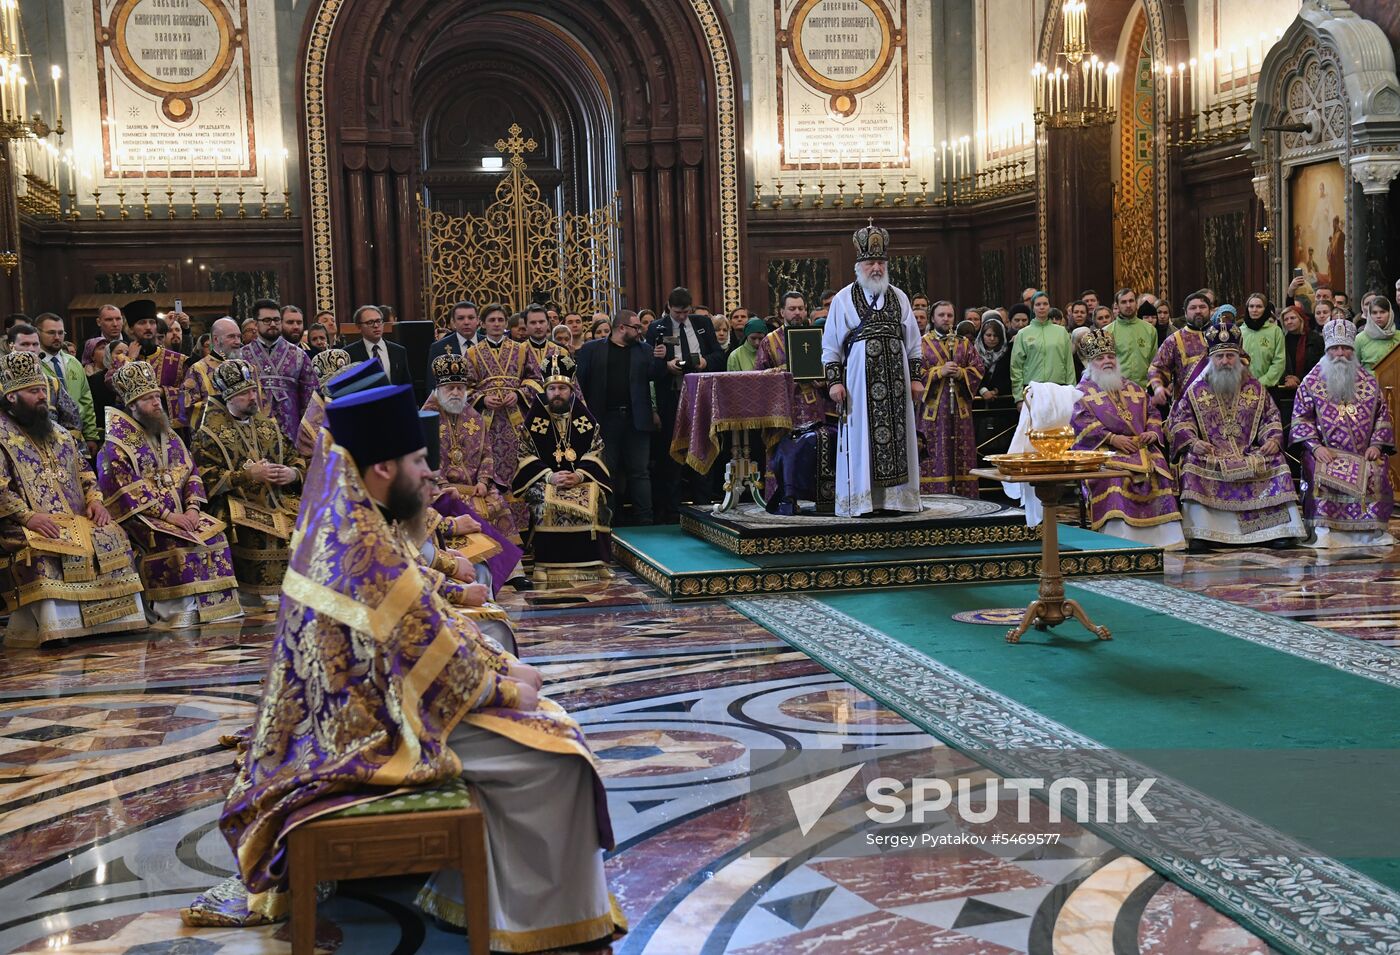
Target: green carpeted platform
(686,567)
(1261,726)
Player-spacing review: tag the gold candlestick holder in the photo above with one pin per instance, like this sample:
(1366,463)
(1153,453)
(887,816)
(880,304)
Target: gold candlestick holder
(820,201)
(797,200)
(922,199)
(97,205)
(840,199)
(757,195)
(262,213)
(145,202)
(880,199)
(218,203)
(242,212)
(194,202)
(169,203)
(286,203)
(122,210)
(903,196)
(777,203)
(858,199)
(73,206)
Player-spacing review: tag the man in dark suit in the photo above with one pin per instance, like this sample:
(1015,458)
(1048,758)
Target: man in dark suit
(372,344)
(615,375)
(463,324)
(681,344)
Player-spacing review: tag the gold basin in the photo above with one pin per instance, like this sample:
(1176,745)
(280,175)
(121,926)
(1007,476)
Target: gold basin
(1051,442)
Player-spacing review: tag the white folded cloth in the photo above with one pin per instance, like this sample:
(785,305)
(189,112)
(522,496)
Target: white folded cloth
(1047,405)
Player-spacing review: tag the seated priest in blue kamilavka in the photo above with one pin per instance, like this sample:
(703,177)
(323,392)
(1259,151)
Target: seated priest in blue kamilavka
(1342,427)
(65,567)
(1227,438)
(1115,414)
(562,477)
(375,683)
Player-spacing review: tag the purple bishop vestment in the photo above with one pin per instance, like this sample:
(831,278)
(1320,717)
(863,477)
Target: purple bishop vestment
(349,709)
(1178,361)
(286,381)
(1148,497)
(53,477)
(1353,426)
(945,418)
(506,370)
(169,367)
(1234,475)
(144,479)
(467,462)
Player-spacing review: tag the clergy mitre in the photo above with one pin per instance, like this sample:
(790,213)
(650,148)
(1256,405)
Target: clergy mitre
(233,377)
(872,242)
(134,381)
(558,370)
(329,363)
(1224,337)
(450,369)
(1095,343)
(1339,331)
(20,370)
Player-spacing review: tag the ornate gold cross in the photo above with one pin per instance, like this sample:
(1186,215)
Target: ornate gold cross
(516,146)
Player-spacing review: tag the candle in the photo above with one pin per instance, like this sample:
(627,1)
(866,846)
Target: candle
(286,182)
(1169,91)
(1181,87)
(23,98)
(57,74)
(1195,88)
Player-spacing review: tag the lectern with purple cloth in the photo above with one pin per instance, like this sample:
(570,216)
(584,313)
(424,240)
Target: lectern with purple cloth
(736,402)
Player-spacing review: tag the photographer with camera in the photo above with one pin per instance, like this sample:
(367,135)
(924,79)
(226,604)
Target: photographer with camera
(681,344)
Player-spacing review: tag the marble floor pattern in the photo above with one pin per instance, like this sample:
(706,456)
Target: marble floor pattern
(111,778)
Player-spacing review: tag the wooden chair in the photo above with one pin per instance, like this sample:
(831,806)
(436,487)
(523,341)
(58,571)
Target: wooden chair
(435,828)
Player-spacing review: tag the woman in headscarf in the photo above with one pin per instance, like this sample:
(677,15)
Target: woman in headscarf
(994,349)
(97,359)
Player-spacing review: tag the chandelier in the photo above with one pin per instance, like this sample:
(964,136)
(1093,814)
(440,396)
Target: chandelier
(1083,92)
(31,165)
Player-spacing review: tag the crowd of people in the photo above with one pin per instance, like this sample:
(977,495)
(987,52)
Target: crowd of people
(155,481)
(191,462)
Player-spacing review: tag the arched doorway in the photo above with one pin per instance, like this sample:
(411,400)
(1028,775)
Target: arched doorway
(636,96)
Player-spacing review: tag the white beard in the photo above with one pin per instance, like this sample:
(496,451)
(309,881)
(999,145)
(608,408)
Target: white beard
(1225,382)
(873,288)
(453,406)
(1105,379)
(1340,375)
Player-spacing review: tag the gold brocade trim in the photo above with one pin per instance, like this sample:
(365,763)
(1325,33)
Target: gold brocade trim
(1253,504)
(484,612)
(378,622)
(1134,521)
(525,735)
(1133,496)
(558,936)
(48,589)
(194,589)
(548,574)
(912,573)
(429,666)
(826,542)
